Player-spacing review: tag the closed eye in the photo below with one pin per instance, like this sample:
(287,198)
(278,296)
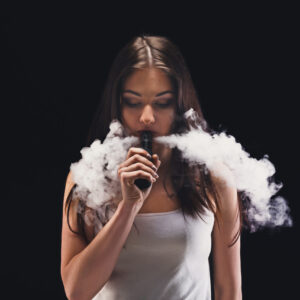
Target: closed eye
(161,105)
(164,104)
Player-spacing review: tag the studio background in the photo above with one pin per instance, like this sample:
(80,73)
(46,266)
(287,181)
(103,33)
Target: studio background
(54,66)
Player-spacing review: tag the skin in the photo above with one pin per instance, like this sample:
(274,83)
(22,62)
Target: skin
(149,114)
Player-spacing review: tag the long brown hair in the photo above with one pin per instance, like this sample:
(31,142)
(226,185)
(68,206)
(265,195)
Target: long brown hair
(193,185)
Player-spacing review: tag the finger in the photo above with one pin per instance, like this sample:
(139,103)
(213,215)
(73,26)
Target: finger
(139,158)
(138,150)
(139,166)
(130,177)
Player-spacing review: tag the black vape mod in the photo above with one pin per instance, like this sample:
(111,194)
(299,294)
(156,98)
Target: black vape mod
(146,142)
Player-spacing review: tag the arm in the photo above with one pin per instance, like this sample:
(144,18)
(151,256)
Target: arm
(86,268)
(226,261)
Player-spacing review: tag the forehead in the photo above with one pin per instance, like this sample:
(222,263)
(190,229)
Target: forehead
(148,81)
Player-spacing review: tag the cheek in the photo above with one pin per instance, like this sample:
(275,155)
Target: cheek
(172,117)
(128,118)
(166,120)
(169,116)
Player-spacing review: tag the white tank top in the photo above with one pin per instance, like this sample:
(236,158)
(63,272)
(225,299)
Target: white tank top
(166,260)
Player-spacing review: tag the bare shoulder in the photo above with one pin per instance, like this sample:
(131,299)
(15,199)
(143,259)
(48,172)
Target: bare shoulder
(222,175)
(89,228)
(69,185)
(225,184)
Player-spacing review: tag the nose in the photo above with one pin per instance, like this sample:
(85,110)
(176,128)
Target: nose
(147,116)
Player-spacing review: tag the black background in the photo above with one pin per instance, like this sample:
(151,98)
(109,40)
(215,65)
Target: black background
(243,61)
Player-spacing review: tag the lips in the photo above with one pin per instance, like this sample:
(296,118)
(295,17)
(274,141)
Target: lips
(153,132)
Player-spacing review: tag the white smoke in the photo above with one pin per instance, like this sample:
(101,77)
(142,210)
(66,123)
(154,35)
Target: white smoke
(96,174)
(97,180)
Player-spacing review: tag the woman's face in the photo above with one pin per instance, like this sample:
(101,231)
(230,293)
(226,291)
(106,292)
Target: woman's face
(148,102)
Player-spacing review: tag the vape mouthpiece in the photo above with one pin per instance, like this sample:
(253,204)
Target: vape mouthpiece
(146,143)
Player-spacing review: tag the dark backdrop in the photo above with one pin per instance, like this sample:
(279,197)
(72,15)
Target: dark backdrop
(54,65)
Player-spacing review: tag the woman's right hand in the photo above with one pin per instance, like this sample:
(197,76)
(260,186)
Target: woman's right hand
(137,165)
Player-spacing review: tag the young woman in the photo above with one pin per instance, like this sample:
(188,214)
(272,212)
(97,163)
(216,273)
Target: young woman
(149,88)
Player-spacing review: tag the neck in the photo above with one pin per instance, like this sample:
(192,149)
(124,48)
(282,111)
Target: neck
(164,153)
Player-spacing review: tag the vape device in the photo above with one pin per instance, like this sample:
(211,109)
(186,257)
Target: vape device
(146,143)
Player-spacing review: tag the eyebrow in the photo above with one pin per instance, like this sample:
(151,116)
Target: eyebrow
(137,94)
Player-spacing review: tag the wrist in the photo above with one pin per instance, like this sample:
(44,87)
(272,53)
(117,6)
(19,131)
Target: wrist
(128,208)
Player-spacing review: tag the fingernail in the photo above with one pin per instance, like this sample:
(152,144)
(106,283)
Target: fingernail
(148,155)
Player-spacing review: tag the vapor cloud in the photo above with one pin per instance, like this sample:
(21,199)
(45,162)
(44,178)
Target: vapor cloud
(97,180)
